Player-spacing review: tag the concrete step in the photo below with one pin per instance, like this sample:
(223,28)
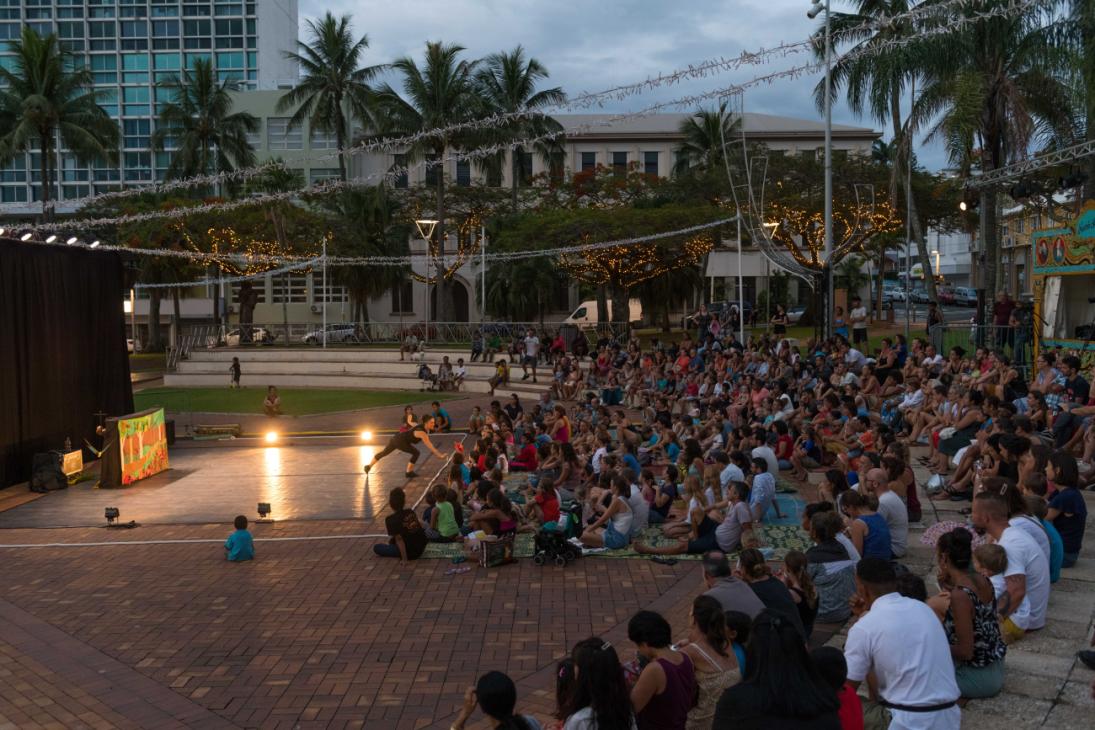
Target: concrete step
(325,367)
(310,379)
(340,353)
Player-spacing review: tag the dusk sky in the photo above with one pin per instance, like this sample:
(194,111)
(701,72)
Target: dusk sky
(589,46)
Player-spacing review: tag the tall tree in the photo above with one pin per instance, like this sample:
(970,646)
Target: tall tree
(440,92)
(199,122)
(47,97)
(993,84)
(702,146)
(875,75)
(508,84)
(334,86)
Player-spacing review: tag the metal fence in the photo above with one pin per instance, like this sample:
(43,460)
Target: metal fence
(1015,342)
(309,334)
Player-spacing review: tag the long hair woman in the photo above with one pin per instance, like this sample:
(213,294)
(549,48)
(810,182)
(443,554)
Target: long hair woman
(496,695)
(599,697)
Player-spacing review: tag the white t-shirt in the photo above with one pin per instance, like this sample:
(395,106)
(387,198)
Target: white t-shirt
(855,359)
(904,643)
(730,474)
(893,509)
(858,315)
(640,508)
(532,346)
(598,455)
(583,720)
(1025,558)
(763,452)
(1033,528)
(728,533)
(849,546)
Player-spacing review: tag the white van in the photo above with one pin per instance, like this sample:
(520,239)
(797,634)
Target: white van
(586,313)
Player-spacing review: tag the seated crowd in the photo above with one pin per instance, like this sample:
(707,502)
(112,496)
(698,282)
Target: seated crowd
(690,437)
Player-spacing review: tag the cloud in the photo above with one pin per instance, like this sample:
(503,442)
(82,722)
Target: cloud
(590,46)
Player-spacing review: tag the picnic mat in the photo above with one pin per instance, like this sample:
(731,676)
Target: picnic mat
(780,538)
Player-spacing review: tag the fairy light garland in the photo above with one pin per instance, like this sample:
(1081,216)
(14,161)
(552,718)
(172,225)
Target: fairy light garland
(704,69)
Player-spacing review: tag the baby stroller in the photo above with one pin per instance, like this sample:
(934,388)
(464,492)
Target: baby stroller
(552,546)
(427,376)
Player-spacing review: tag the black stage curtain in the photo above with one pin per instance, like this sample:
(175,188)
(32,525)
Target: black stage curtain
(62,349)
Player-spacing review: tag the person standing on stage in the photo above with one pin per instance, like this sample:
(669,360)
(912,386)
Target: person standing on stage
(407,442)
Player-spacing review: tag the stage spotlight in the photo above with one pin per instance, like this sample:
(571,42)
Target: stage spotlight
(366,435)
(1021,190)
(969,202)
(112,514)
(71,240)
(25,237)
(2,231)
(51,238)
(271,437)
(264,511)
(95,243)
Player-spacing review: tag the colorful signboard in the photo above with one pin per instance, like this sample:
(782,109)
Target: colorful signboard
(142,438)
(1056,250)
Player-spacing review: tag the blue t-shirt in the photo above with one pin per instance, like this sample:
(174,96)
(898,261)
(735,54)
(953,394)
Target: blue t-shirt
(672,451)
(240,546)
(440,414)
(465,474)
(666,488)
(739,652)
(1056,550)
(1070,523)
(632,463)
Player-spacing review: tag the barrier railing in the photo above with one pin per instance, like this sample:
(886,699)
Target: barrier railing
(1015,342)
(308,334)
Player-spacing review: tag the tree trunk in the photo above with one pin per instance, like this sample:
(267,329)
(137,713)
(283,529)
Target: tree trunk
(441,288)
(621,312)
(881,278)
(903,154)
(248,299)
(602,304)
(515,158)
(155,332)
(340,138)
(176,314)
(47,212)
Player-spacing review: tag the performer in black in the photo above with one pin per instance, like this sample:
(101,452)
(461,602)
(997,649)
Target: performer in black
(406,441)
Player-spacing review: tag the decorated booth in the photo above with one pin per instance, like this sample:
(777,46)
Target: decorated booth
(1064,285)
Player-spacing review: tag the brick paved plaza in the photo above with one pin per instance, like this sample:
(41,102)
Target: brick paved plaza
(320,633)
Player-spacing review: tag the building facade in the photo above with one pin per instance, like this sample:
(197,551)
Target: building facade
(130,46)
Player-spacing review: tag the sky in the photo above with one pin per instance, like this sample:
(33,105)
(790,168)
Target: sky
(588,46)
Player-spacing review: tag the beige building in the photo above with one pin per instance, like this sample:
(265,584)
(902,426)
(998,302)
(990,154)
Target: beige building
(591,140)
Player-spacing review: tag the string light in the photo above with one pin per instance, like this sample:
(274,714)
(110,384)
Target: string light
(709,67)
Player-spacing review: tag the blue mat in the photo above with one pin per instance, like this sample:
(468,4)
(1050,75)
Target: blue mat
(790,506)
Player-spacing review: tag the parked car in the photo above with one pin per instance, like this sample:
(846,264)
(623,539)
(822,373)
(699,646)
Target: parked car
(259,336)
(965,296)
(336,333)
(893,294)
(920,296)
(794,314)
(722,309)
(945,294)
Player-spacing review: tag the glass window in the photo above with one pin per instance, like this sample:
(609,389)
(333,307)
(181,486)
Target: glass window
(255,138)
(232,9)
(229,27)
(138,165)
(327,290)
(292,288)
(72,170)
(137,132)
(524,166)
(134,28)
(196,27)
(100,13)
(135,94)
(230,60)
(280,137)
(195,10)
(165,28)
(192,57)
(70,29)
(619,163)
(433,168)
(10,194)
(39,13)
(463,173)
(14,171)
(400,163)
(589,161)
(321,139)
(167,62)
(134,61)
(494,176)
(9,31)
(650,163)
(403,298)
(42,29)
(165,12)
(259,288)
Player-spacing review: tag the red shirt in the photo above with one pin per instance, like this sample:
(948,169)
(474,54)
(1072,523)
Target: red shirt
(549,506)
(851,710)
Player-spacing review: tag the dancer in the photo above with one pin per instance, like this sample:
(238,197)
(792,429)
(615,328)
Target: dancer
(406,441)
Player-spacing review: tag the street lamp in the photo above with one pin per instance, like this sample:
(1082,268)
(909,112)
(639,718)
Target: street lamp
(818,6)
(426,228)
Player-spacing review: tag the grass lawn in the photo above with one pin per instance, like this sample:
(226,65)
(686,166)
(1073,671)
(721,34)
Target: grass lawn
(295,401)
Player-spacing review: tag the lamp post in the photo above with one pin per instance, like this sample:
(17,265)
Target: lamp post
(426,228)
(827,316)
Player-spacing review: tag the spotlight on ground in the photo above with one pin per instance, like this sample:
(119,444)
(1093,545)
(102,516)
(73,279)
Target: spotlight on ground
(366,435)
(264,512)
(71,240)
(112,514)
(271,437)
(94,243)
(52,237)
(25,237)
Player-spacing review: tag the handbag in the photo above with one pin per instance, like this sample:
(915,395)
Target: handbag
(947,432)
(493,553)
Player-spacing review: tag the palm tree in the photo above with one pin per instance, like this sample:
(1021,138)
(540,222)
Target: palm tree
(874,83)
(507,83)
(704,132)
(198,120)
(995,84)
(334,86)
(439,93)
(46,98)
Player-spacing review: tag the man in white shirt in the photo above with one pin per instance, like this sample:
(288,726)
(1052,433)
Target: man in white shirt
(1027,574)
(857,315)
(730,471)
(902,642)
(599,455)
(891,507)
(765,441)
(913,397)
(854,359)
(532,354)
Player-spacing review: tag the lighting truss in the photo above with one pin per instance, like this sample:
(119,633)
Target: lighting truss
(1023,168)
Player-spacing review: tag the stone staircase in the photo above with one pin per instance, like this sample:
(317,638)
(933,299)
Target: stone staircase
(336,367)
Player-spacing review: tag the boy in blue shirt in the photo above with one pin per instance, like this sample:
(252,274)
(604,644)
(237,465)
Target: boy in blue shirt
(239,545)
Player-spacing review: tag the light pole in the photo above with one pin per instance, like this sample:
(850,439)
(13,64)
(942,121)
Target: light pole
(828,253)
(426,227)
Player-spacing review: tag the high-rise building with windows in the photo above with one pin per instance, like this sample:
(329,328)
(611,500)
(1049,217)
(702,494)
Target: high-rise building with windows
(130,46)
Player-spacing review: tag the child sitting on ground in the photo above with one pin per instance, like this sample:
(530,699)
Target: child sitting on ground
(443,525)
(991,560)
(240,545)
(833,668)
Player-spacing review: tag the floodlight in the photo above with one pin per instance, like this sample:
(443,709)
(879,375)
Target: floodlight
(51,238)
(112,515)
(71,240)
(271,437)
(366,435)
(25,237)
(426,227)
(95,243)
